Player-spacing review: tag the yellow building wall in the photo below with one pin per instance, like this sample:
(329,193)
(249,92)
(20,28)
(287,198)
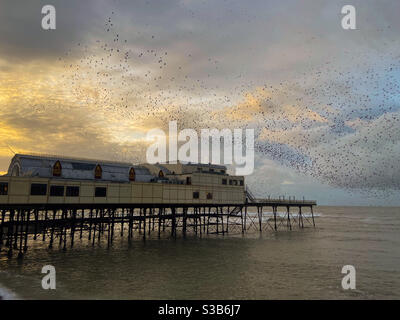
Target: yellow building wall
(134,192)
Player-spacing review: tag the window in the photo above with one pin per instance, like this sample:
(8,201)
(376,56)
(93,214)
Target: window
(100,192)
(188,180)
(98,172)
(3,188)
(235,182)
(38,189)
(196,195)
(224,181)
(132,175)
(209,195)
(72,191)
(241,182)
(223,171)
(230,181)
(211,170)
(56,191)
(57,169)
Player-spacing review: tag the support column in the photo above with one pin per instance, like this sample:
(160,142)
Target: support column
(36,216)
(73,227)
(300,218)
(173,222)
(184,222)
(288,218)
(3,218)
(245,217)
(44,226)
(159,222)
(10,232)
(82,219)
(21,235)
(52,230)
(19,214)
(144,224)
(27,230)
(122,221)
(312,215)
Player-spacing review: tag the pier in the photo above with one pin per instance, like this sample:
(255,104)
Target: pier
(62,224)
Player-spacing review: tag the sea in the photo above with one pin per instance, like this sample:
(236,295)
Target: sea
(299,264)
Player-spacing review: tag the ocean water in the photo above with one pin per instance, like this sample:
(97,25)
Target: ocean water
(299,264)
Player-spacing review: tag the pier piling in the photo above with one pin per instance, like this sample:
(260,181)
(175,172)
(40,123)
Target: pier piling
(63,221)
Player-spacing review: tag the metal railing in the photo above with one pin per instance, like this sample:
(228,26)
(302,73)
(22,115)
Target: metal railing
(252,199)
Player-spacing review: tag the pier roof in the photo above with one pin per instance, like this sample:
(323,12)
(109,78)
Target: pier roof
(31,165)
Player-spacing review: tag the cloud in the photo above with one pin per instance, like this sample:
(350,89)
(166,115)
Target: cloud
(323,101)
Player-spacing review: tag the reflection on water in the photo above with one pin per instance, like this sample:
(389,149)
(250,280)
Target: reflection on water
(299,264)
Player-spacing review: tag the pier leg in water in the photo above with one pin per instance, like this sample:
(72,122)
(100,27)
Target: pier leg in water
(52,230)
(227,221)
(173,222)
(222,221)
(61,228)
(10,231)
(122,221)
(112,224)
(26,230)
(274,210)
(245,218)
(159,222)
(100,223)
(288,218)
(300,218)
(94,227)
(144,224)
(44,226)
(241,219)
(108,229)
(73,227)
(216,215)
(184,221)
(16,229)
(131,210)
(36,216)
(140,221)
(153,214)
(150,218)
(204,220)
(199,218)
(90,223)
(312,215)
(163,220)
(82,218)
(21,236)
(3,217)
(65,232)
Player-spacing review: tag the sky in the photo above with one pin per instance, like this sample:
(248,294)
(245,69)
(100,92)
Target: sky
(324,102)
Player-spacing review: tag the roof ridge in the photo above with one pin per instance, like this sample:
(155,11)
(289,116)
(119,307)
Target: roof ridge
(61,157)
